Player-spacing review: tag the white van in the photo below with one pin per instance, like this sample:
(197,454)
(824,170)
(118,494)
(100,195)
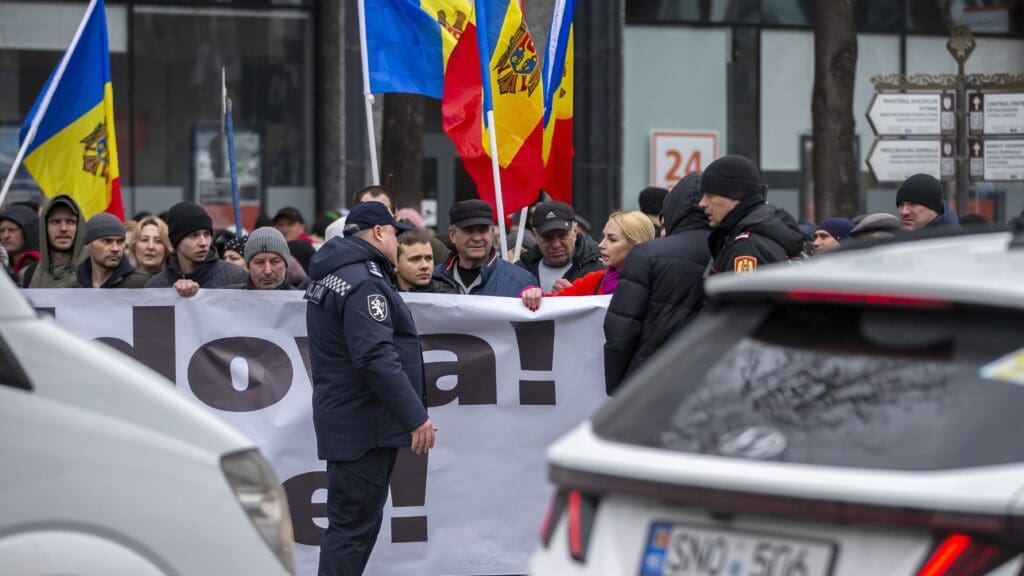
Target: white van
(105,469)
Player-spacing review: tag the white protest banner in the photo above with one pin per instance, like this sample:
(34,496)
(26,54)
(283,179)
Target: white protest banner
(502,384)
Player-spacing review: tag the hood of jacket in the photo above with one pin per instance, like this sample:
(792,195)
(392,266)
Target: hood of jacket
(757,216)
(681,210)
(84,273)
(342,251)
(28,221)
(47,276)
(947,218)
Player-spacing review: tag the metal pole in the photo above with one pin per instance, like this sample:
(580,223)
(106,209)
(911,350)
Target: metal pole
(963,113)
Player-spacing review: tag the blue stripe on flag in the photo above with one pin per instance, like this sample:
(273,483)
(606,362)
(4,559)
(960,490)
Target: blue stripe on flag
(404,52)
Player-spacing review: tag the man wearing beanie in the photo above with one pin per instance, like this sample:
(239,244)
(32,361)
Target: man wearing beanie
(920,203)
(194,264)
(746,231)
(19,235)
(61,230)
(830,233)
(651,202)
(266,256)
(105,265)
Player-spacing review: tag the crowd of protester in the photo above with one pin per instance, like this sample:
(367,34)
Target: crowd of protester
(652,261)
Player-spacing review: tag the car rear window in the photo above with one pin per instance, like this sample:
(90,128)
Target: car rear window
(887,388)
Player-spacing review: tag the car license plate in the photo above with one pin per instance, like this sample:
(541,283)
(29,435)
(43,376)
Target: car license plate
(692,550)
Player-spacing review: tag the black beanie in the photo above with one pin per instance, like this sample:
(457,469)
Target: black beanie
(652,199)
(921,189)
(185,218)
(731,176)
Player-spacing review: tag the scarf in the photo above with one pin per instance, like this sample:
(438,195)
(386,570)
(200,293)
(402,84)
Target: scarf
(610,281)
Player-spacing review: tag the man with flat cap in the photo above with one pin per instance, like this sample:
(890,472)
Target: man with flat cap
(474,267)
(368,389)
(746,231)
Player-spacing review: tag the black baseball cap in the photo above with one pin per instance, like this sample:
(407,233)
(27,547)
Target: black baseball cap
(369,214)
(548,216)
(471,213)
(290,213)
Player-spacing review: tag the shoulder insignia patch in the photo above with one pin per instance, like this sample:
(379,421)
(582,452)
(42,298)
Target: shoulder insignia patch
(374,268)
(743,236)
(744,264)
(335,284)
(378,307)
(315,293)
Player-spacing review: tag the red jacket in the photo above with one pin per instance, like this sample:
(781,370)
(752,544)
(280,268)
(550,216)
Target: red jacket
(589,285)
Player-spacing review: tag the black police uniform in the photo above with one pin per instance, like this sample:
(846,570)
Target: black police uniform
(368,393)
(753,234)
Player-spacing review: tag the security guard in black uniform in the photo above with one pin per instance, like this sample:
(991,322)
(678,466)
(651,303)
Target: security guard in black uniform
(368,395)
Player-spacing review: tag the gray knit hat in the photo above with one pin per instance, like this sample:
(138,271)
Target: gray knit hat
(266,239)
(102,225)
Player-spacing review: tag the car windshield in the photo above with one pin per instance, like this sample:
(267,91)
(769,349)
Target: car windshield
(885,388)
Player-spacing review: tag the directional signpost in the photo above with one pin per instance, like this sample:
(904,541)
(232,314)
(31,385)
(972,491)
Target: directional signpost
(895,160)
(995,113)
(912,114)
(997,160)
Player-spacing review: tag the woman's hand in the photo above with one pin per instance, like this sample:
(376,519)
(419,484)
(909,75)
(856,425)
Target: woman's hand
(560,284)
(531,297)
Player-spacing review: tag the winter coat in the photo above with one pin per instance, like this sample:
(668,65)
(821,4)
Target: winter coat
(210,273)
(586,258)
(437,287)
(125,276)
(44,274)
(661,287)
(947,218)
(26,219)
(368,387)
(497,277)
(589,285)
(753,234)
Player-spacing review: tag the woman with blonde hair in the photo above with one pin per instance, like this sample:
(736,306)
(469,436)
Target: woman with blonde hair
(623,231)
(150,245)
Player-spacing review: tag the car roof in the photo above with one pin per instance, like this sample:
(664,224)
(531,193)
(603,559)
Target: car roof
(981,269)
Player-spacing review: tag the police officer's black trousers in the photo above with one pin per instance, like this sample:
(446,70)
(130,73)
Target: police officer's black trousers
(356,494)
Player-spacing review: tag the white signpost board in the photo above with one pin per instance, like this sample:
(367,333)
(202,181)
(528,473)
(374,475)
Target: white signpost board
(912,114)
(995,160)
(996,113)
(675,154)
(896,160)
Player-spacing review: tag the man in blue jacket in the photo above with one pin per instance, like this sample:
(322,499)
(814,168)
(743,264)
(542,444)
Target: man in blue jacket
(368,394)
(474,267)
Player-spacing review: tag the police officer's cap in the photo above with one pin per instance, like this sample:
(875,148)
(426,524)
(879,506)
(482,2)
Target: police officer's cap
(369,214)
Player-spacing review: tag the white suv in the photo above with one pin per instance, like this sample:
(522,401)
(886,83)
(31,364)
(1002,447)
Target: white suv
(860,414)
(105,469)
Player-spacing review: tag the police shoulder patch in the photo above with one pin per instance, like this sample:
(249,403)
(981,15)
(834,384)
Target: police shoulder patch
(335,284)
(742,236)
(374,269)
(378,307)
(744,264)
(315,293)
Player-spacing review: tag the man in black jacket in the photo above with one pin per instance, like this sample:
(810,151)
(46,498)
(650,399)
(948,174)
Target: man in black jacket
(747,232)
(562,255)
(661,287)
(368,389)
(194,263)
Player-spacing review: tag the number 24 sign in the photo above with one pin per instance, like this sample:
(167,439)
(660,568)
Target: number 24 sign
(675,154)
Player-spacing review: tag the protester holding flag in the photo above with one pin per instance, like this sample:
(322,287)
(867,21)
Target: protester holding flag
(68,141)
(61,229)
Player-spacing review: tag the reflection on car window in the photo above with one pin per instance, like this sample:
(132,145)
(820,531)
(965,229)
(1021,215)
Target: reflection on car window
(843,386)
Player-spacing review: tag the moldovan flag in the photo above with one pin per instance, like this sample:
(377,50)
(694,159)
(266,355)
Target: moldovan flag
(558,98)
(514,83)
(74,150)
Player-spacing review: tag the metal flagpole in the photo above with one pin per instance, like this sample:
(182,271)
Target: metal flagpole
(47,97)
(368,96)
(485,81)
(520,232)
(229,132)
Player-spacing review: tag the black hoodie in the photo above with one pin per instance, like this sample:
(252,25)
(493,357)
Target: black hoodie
(210,273)
(661,287)
(753,234)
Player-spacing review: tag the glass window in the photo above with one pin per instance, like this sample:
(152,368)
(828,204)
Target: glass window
(726,11)
(843,385)
(787,12)
(987,16)
(879,15)
(179,55)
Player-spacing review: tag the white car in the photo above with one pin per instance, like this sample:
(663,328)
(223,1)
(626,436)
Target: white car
(858,415)
(106,470)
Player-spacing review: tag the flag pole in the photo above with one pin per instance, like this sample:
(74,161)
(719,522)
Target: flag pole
(47,97)
(483,44)
(229,132)
(371,132)
(520,232)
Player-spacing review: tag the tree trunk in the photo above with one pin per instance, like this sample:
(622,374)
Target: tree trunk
(402,149)
(835,69)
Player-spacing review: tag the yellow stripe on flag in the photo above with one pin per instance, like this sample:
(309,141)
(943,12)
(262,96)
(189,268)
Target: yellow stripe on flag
(452,16)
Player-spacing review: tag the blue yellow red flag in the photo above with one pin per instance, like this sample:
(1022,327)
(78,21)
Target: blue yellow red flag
(74,149)
(558,104)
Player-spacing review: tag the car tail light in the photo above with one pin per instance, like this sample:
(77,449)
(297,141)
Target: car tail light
(964,555)
(555,510)
(866,298)
(582,508)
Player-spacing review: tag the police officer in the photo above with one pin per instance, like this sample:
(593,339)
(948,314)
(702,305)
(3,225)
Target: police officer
(746,231)
(368,395)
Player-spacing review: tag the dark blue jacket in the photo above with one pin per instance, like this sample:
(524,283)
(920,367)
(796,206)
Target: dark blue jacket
(947,218)
(364,353)
(497,277)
